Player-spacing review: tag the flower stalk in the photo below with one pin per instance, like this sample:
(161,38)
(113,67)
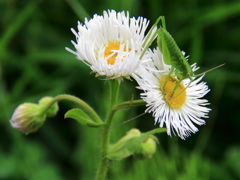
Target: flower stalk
(103,161)
(83,105)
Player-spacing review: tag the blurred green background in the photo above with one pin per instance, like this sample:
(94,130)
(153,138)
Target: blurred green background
(34,63)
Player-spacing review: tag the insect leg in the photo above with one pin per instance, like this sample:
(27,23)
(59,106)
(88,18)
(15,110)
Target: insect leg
(169,75)
(176,86)
(152,34)
(162,18)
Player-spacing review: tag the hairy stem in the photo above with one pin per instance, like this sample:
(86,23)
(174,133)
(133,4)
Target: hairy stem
(103,161)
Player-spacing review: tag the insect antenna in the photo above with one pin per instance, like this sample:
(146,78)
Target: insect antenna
(129,120)
(190,82)
(209,70)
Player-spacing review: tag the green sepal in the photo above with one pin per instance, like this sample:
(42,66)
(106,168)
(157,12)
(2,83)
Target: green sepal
(130,146)
(81,117)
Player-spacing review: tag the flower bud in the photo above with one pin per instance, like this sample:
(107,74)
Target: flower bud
(132,133)
(147,148)
(125,146)
(27,118)
(52,110)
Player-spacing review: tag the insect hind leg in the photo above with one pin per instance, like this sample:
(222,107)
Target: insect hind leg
(162,18)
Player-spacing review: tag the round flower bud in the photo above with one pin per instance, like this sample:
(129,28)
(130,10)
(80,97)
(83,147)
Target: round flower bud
(132,133)
(27,118)
(147,148)
(126,146)
(52,110)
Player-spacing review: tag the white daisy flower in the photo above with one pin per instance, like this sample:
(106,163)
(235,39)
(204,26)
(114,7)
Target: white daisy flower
(178,111)
(110,44)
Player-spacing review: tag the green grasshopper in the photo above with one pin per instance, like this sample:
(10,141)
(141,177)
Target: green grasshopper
(173,56)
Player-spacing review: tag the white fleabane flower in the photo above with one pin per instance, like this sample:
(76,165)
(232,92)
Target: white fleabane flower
(110,44)
(178,111)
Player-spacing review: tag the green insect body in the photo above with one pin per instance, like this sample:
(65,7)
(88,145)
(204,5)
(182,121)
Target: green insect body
(172,54)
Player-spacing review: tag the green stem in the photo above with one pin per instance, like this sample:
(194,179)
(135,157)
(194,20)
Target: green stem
(83,105)
(103,161)
(129,104)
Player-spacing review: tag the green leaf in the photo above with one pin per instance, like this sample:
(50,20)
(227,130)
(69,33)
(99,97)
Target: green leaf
(81,117)
(130,146)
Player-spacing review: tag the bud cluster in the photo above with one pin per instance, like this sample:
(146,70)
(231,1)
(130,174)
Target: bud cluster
(29,117)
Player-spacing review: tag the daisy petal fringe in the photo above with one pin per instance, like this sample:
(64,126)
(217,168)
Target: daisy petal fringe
(110,44)
(184,110)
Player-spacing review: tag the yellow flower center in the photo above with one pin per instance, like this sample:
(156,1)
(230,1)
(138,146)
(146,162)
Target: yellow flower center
(174,99)
(109,51)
